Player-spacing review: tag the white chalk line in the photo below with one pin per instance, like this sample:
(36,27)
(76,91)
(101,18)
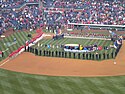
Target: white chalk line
(8,59)
(4,62)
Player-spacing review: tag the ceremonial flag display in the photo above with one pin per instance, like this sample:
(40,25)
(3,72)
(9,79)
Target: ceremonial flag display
(1,53)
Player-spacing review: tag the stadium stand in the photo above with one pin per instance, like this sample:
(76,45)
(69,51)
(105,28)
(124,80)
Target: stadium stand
(59,13)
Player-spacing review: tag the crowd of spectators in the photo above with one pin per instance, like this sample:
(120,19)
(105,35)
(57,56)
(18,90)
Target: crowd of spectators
(64,3)
(26,18)
(60,12)
(92,11)
(14,3)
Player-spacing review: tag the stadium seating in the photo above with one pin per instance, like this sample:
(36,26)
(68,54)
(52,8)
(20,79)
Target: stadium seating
(60,12)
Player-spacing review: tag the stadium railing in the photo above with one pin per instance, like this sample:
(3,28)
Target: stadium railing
(100,26)
(20,6)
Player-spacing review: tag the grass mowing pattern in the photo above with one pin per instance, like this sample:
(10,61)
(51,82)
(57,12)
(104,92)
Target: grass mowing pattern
(84,42)
(19,83)
(21,39)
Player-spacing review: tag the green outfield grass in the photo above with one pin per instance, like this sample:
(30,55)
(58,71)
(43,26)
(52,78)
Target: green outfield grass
(20,83)
(21,39)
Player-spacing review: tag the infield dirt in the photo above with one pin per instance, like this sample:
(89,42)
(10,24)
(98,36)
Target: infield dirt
(29,63)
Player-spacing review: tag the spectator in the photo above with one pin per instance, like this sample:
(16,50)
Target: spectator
(110,12)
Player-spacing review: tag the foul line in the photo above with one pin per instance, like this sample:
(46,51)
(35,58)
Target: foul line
(4,62)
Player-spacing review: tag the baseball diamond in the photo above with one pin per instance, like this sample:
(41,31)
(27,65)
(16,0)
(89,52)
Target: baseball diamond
(62,46)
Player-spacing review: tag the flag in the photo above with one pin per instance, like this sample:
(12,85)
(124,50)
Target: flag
(38,44)
(39,30)
(112,33)
(68,21)
(59,31)
(0,53)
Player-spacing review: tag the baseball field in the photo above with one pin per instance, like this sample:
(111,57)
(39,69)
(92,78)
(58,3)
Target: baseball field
(8,45)
(52,75)
(56,44)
